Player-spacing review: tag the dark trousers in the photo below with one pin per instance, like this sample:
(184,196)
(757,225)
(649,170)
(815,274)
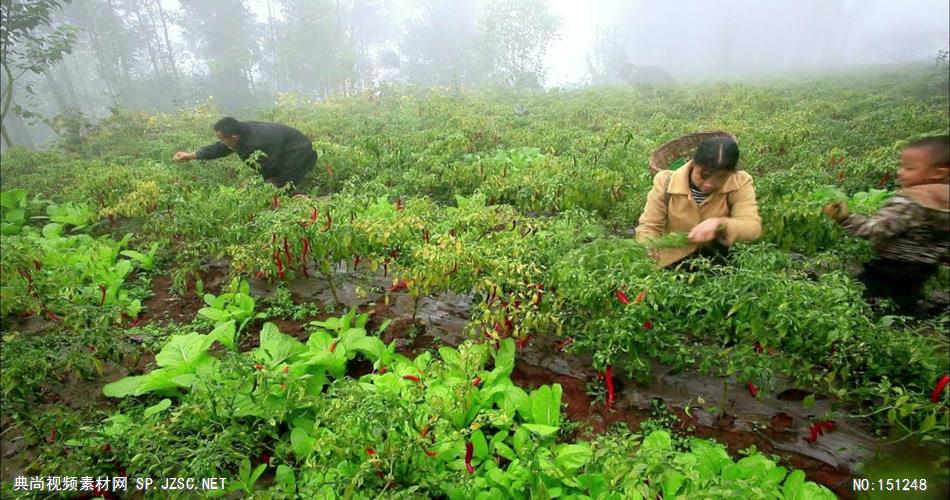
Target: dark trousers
(294,167)
(897,280)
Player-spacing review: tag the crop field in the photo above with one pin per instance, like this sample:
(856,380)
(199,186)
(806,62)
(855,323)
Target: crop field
(455,306)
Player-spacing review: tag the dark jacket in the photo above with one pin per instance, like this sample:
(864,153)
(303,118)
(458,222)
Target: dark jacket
(289,153)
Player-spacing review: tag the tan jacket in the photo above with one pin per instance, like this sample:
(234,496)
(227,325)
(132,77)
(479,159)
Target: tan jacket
(735,200)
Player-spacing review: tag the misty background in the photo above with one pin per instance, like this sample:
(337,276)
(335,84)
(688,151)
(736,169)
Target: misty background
(67,64)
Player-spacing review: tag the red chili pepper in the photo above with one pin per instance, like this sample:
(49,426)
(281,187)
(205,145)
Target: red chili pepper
(398,203)
(478,380)
(329,224)
(609,379)
(303,256)
(400,285)
(135,323)
(102,295)
(279,263)
(411,377)
(258,366)
(313,215)
(941,384)
(52,437)
(275,201)
(884,180)
(522,342)
(469,451)
(621,296)
(431,453)
(287,251)
(332,346)
(647,325)
(382,370)
(640,297)
(370,451)
(559,347)
(752,389)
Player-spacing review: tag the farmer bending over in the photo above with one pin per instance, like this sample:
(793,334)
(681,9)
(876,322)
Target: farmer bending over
(288,153)
(911,234)
(708,198)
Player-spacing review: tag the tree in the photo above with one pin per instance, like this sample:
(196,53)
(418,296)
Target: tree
(609,56)
(223,33)
(30,45)
(439,44)
(514,36)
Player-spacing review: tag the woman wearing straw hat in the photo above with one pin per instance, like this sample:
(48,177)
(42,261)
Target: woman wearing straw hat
(707,198)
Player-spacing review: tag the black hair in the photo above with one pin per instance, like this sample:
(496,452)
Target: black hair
(938,146)
(717,154)
(229,126)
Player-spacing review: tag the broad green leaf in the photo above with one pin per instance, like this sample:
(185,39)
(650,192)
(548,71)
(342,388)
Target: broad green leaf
(479,445)
(541,430)
(656,441)
(276,347)
(572,456)
(301,442)
(224,333)
(183,349)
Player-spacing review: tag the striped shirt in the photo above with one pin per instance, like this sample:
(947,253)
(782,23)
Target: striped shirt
(698,195)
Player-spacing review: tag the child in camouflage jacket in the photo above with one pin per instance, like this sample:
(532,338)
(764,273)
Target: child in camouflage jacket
(911,234)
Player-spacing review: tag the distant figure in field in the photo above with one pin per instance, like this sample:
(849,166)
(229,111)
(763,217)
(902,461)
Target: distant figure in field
(911,234)
(288,153)
(708,198)
(646,75)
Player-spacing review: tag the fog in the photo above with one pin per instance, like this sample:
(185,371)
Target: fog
(73,62)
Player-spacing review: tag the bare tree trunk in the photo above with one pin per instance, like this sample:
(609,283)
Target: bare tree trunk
(170,53)
(57,92)
(7,102)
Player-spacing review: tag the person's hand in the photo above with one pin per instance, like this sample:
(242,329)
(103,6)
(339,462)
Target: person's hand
(838,211)
(185,156)
(706,230)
